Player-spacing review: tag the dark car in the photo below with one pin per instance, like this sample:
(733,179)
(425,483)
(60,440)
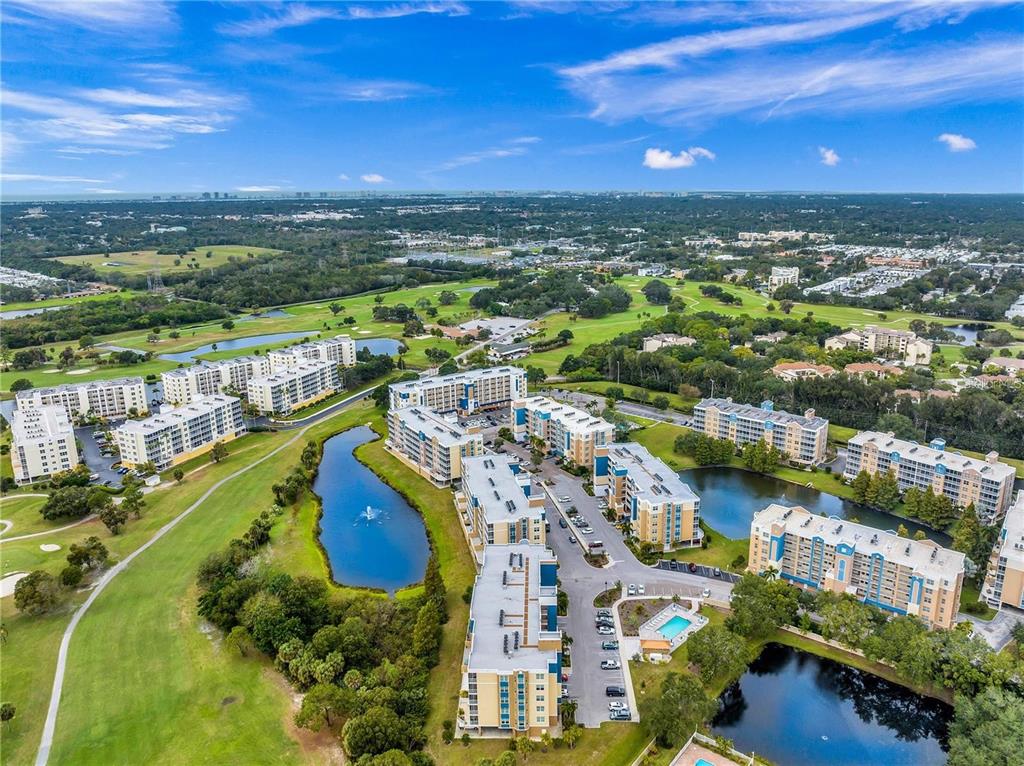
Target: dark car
(563,523)
(610,646)
(615,691)
(673,565)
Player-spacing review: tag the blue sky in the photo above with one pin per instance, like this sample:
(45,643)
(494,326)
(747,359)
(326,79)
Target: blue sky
(129,96)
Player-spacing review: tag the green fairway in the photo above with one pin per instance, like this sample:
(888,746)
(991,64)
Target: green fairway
(51,302)
(135,262)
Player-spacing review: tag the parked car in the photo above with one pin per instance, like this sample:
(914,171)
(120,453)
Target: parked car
(631,590)
(605,621)
(640,590)
(586,531)
(706,593)
(673,565)
(620,715)
(610,646)
(604,630)
(565,499)
(615,691)
(610,665)
(616,705)
(604,612)
(563,523)
(718,572)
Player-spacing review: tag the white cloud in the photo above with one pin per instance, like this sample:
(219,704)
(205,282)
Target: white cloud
(957,143)
(258,188)
(97,15)
(828,156)
(373,178)
(513,147)
(343,177)
(526,140)
(41,178)
(406,9)
(663,159)
(76,150)
(371,90)
(104,191)
(300,14)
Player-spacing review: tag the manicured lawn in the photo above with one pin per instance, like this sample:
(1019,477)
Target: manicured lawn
(24,512)
(660,441)
(49,302)
(144,261)
(969,594)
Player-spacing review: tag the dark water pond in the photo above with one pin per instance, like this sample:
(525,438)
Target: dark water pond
(968,333)
(236,344)
(379,346)
(797,709)
(372,536)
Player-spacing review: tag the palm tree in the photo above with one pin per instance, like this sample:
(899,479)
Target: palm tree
(572,735)
(770,574)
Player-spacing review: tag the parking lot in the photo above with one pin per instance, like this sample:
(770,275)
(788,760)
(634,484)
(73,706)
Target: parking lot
(93,457)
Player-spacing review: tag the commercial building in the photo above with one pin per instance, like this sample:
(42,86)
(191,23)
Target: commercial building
(666,340)
(802,438)
(340,349)
(100,398)
(498,503)
(783,275)
(663,510)
(1004,580)
(490,388)
(294,387)
(429,444)
(566,431)
(181,433)
(512,663)
(43,442)
(899,575)
(506,352)
(186,384)
(886,343)
(964,480)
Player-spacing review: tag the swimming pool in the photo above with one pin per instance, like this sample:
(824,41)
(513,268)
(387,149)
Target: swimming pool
(702,762)
(674,627)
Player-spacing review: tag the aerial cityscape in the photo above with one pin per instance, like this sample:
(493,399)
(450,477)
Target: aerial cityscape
(512,383)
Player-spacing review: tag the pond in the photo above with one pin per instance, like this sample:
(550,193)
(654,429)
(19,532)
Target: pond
(372,536)
(236,344)
(269,314)
(729,497)
(968,332)
(798,709)
(18,313)
(379,346)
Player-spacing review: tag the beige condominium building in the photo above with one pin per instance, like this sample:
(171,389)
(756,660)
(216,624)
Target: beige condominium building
(663,510)
(340,349)
(512,663)
(572,434)
(783,275)
(1004,580)
(885,342)
(430,445)
(964,480)
(181,433)
(292,388)
(186,384)
(498,503)
(486,389)
(802,437)
(897,574)
(43,442)
(101,398)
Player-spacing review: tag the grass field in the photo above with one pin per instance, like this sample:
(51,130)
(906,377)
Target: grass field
(51,302)
(135,262)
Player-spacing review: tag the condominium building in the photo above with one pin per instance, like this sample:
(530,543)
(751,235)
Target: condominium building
(784,275)
(666,340)
(801,437)
(181,433)
(791,371)
(964,480)
(340,349)
(429,444)
(897,574)
(566,431)
(101,398)
(663,510)
(294,387)
(1004,581)
(186,384)
(43,442)
(885,342)
(498,503)
(512,663)
(490,388)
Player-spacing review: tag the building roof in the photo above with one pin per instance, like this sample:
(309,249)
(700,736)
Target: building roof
(205,365)
(924,556)
(764,412)
(456,377)
(858,368)
(337,340)
(492,481)
(505,602)
(934,454)
(509,348)
(1012,534)
(47,421)
(571,418)
(431,424)
(654,480)
(821,369)
(200,406)
(129,381)
(291,373)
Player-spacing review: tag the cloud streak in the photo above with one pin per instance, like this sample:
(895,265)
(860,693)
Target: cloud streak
(293,15)
(43,178)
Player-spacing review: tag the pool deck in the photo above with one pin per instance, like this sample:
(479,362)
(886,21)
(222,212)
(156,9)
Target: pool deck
(693,753)
(651,638)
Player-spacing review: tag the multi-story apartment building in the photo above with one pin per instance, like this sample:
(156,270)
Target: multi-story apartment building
(899,575)
(100,398)
(186,384)
(802,438)
(885,342)
(181,433)
(490,388)
(573,434)
(512,663)
(663,510)
(964,480)
(429,444)
(784,275)
(1004,580)
(498,503)
(294,387)
(43,442)
(340,349)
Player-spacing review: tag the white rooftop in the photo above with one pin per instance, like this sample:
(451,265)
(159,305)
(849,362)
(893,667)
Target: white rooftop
(764,412)
(48,421)
(456,377)
(654,480)
(201,406)
(1012,533)
(489,478)
(571,418)
(203,364)
(887,443)
(430,423)
(130,381)
(291,373)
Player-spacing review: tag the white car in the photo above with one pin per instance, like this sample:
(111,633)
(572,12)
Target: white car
(565,499)
(640,590)
(616,705)
(604,630)
(706,593)
(631,590)
(610,665)
(586,531)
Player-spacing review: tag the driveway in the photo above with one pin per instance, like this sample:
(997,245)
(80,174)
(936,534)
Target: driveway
(581,400)
(997,630)
(90,454)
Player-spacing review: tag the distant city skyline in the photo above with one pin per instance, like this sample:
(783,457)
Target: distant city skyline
(112,99)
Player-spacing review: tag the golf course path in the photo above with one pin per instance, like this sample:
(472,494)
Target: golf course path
(45,532)
(50,725)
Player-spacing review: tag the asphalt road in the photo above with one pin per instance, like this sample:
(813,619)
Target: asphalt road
(581,400)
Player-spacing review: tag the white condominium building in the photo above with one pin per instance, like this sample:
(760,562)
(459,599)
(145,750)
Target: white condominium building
(181,433)
(489,388)
(964,480)
(432,446)
(186,384)
(340,349)
(903,576)
(498,503)
(294,387)
(512,663)
(43,442)
(783,275)
(1004,580)
(802,438)
(574,434)
(885,342)
(101,398)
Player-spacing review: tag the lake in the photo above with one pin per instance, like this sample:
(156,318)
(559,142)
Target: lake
(798,709)
(18,313)
(376,345)
(268,314)
(380,346)
(968,333)
(729,497)
(372,536)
